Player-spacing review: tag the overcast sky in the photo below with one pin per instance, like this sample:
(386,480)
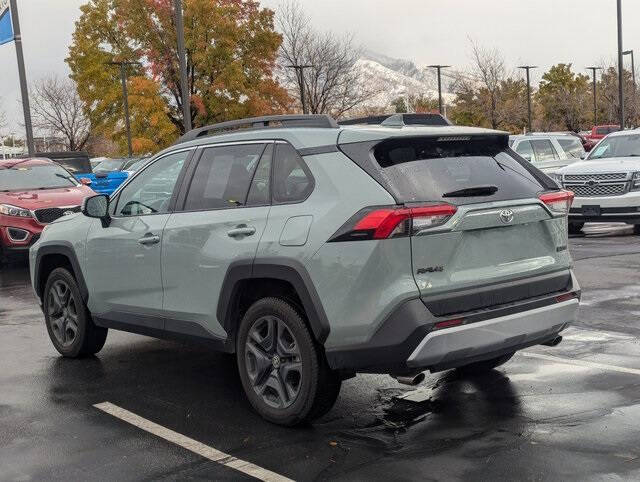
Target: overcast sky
(537,32)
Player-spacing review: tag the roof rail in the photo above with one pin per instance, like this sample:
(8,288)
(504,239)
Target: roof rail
(399,120)
(264,122)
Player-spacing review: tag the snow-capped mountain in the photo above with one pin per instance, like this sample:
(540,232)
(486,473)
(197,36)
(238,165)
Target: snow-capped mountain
(395,78)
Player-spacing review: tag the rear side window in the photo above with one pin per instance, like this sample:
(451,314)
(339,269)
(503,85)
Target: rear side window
(292,181)
(431,169)
(223,177)
(544,150)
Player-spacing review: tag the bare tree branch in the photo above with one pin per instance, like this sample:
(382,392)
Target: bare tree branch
(58,110)
(332,84)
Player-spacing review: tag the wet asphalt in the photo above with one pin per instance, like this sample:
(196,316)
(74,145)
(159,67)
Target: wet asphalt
(571,412)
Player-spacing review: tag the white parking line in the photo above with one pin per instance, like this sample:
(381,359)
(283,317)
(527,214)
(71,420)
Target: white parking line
(583,363)
(190,444)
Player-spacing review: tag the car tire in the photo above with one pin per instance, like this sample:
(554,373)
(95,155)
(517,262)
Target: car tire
(67,317)
(575,228)
(636,229)
(283,371)
(485,365)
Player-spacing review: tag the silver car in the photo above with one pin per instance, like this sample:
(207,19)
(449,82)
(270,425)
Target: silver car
(548,152)
(314,251)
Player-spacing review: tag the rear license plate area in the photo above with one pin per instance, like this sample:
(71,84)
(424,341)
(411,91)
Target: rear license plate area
(591,210)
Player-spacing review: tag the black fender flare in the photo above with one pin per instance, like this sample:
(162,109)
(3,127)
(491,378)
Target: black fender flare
(289,270)
(65,249)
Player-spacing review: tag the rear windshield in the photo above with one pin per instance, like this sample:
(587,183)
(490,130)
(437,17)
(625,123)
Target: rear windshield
(438,169)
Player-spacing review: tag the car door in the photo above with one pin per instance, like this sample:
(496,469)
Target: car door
(122,260)
(221,221)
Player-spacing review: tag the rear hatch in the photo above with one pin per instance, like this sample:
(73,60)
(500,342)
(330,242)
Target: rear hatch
(480,235)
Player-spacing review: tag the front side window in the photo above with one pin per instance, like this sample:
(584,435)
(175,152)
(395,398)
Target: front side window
(21,177)
(223,177)
(573,147)
(292,181)
(150,192)
(617,146)
(544,150)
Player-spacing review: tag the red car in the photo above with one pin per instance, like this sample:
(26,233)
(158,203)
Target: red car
(33,193)
(597,133)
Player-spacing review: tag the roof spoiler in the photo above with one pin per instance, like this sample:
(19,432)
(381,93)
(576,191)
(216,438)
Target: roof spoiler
(322,121)
(400,120)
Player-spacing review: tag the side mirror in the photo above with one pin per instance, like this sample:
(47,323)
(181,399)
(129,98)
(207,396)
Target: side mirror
(97,207)
(85,181)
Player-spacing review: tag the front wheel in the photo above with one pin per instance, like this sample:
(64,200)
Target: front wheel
(485,365)
(284,372)
(68,320)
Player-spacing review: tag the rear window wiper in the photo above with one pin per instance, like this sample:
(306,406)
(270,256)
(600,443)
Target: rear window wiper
(472,191)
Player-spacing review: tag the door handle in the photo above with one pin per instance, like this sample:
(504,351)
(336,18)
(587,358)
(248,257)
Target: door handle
(242,230)
(149,239)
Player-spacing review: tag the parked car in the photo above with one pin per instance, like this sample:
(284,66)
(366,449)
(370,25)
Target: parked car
(607,183)
(107,175)
(33,193)
(548,152)
(599,132)
(315,251)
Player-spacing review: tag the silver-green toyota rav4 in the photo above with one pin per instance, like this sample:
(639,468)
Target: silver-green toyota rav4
(315,251)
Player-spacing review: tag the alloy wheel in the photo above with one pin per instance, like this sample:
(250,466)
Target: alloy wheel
(63,313)
(273,362)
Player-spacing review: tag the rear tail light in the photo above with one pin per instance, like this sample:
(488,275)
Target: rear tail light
(558,201)
(393,222)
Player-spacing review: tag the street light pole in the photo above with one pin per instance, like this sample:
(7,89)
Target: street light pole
(439,69)
(24,92)
(125,98)
(300,76)
(184,84)
(620,70)
(595,105)
(528,68)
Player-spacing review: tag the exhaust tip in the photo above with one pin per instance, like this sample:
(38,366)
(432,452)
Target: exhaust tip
(554,342)
(415,379)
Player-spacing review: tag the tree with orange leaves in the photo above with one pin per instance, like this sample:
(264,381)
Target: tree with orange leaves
(231,50)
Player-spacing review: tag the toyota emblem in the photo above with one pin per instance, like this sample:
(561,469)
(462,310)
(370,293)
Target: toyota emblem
(506,216)
(66,213)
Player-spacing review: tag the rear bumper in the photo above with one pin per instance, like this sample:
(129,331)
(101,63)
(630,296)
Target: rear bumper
(409,340)
(458,346)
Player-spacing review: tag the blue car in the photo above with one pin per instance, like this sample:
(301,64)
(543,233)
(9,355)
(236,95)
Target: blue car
(107,175)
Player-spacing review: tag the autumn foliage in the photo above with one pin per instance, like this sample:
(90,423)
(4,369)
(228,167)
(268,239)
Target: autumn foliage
(231,53)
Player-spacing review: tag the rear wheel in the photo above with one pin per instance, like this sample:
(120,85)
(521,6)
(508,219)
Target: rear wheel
(575,228)
(68,320)
(485,365)
(283,371)
(636,229)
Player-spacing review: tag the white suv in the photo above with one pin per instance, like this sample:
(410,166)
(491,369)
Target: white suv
(607,183)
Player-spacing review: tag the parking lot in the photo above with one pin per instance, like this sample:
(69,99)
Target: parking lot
(149,409)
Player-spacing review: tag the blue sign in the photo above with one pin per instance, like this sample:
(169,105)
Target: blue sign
(6,26)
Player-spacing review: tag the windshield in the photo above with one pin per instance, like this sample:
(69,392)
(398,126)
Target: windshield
(109,165)
(21,178)
(617,146)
